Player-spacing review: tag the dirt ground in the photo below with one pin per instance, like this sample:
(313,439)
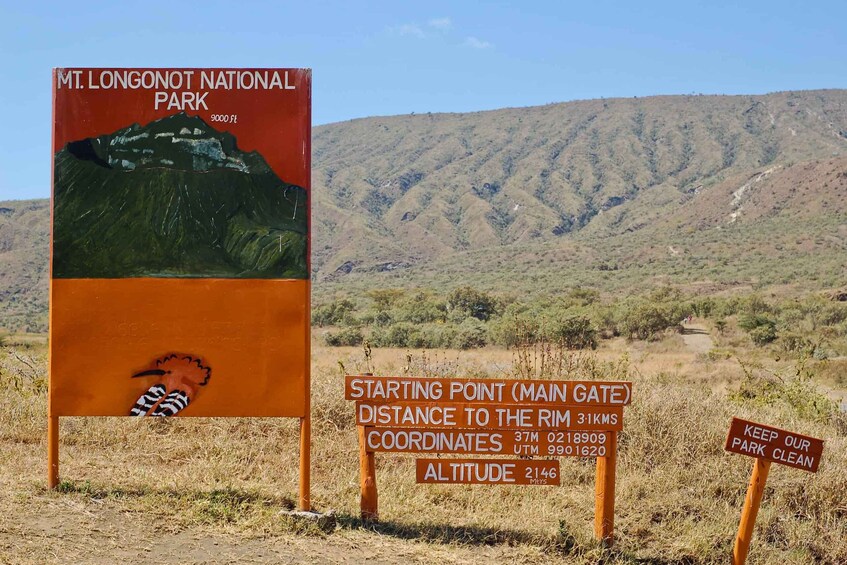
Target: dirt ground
(152,491)
(697,338)
(53,529)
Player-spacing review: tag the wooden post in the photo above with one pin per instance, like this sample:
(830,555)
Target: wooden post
(604,493)
(367,469)
(306,421)
(52,451)
(305,463)
(750,510)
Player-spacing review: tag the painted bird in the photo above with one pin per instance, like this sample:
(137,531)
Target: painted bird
(180,376)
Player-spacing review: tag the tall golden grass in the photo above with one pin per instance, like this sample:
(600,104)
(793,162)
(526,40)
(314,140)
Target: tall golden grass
(679,495)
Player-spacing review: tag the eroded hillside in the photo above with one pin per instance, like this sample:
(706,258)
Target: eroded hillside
(398,192)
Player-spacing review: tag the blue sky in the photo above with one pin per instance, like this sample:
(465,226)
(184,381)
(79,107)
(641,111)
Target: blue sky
(383,58)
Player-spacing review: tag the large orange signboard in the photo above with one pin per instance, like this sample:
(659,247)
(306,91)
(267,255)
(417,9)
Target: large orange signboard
(180,242)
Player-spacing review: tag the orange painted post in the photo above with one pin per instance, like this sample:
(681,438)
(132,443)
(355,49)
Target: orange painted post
(604,493)
(306,420)
(751,509)
(52,451)
(305,463)
(367,468)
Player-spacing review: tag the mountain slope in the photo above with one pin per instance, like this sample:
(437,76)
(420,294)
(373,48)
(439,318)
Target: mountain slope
(174,198)
(395,192)
(705,191)
(24,270)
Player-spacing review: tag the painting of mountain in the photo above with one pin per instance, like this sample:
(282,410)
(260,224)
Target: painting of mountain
(174,198)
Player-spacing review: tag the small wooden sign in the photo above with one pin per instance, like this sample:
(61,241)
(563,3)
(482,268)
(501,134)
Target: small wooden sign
(491,416)
(488,471)
(774,444)
(553,443)
(380,390)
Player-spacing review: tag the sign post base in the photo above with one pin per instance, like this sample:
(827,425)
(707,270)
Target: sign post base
(52,452)
(305,464)
(367,468)
(751,508)
(604,493)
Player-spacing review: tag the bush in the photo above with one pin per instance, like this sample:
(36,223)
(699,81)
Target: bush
(335,313)
(762,335)
(573,332)
(472,303)
(749,322)
(761,328)
(395,335)
(470,334)
(345,336)
(420,309)
(646,320)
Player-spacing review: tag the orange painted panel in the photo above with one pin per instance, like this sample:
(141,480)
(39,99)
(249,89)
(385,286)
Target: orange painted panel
(248,333)
(550,443)
(381,390)
(490,416)
(180,242)
(488,471)
(774,444)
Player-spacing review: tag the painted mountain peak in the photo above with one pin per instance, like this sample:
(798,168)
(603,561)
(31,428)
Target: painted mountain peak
(174,198)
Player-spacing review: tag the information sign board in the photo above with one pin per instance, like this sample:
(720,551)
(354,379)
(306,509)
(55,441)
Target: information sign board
(377,390)
(488,471)
(492,416)
(179,273)
(540,443)
(774,444)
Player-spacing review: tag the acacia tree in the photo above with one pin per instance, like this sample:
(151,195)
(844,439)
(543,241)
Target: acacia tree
(473,303)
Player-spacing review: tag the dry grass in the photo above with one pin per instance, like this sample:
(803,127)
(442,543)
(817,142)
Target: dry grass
(679,495)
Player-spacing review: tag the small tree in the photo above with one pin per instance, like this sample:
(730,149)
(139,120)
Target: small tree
(573,332)
(335,313)
(472,303)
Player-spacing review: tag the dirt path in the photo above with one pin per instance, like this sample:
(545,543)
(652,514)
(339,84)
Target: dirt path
(697,338)
(54,530)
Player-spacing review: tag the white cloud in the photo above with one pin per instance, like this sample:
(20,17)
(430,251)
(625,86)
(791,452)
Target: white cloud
(408,29)
(477,43)
(442,24)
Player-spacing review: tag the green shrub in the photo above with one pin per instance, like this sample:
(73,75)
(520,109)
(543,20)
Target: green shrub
(749,322)
(516,327)
(472,303)
(646,320)
(395,335)
(344,336)
(762,335)
(470,334)
(420,308)
(338,312)
(572,332)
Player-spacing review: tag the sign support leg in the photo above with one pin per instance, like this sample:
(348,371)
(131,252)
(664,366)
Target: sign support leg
(604,493)
(52,451)
(305,463)
(750,510)
(367,469)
